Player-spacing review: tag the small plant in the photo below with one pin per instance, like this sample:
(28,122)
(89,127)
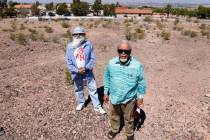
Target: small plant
(67,75)
(13,26)
(48,29)
(33,31)
(22,27)
(22,39)
(193,34)
(176,21)
(12,36)
(196,21)
(148,19)
(65,25)
(188,19)
(203,27)
(166,35)
(177,28)
(159,24)
(34,36)
(42,38)
(55,39)
(189,33)
(128,35)
(68,35)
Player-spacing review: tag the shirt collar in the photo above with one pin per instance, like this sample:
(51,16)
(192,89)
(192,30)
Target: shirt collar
(126,64)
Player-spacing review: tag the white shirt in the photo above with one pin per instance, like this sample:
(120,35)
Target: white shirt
(79,55)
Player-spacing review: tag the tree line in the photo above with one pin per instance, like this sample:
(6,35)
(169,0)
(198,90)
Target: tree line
(200,12)
(78,8)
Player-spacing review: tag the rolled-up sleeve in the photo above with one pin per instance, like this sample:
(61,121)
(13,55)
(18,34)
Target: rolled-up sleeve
(106,80)
(91,62)
(141,83)
(69,62)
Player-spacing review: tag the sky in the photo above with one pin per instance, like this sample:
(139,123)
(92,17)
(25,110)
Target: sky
(125,1)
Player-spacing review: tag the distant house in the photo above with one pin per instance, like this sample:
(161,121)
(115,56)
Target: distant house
(24,9)
(126,12)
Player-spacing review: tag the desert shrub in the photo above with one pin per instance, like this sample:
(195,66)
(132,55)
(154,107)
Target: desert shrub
(65,25)
(186,32)
(188,19)
(68,35)
(159,24)
(128,35)
(203,26)
(90,25)
(55,39)
(138,34)
(33,31)
(178,28)
(34,36)
(22,39)
(13,26)
(176,21)
(196,21)
(193,34)
(166,35)
(48,29)
(12,36)
(148,19)
(22,27)
(67,75)
(43,38)
(7,30)
(204,32)
(189,33)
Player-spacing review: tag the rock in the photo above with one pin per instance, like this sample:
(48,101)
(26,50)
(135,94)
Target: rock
(2,131)
(207,95)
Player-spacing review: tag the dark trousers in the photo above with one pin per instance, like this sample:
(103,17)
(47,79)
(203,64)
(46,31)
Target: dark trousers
(127,111)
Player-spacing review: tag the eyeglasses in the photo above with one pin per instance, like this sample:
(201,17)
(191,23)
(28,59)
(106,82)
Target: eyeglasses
(79,35)
(120,51)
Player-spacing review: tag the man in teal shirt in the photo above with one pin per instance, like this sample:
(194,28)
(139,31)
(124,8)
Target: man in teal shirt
(124,86)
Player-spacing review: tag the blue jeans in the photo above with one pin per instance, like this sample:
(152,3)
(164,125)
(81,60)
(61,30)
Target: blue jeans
(92,89)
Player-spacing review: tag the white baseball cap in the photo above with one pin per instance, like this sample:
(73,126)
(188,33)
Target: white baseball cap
(78,30)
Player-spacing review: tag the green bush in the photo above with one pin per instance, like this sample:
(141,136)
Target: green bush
(68,75)
(193,34)
(32,31)
(166,35)
(22,39)
(48,29)
(65,25)
(148,19)
(68,35)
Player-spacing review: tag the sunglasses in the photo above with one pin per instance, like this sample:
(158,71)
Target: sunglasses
(120,51)
(80,34)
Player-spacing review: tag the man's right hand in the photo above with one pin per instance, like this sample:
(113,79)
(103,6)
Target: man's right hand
(106,98)
(81,71)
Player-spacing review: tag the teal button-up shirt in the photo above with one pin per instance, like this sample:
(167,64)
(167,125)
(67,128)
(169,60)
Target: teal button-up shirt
(124,83)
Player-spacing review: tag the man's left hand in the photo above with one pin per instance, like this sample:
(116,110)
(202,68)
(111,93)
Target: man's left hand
(139,102)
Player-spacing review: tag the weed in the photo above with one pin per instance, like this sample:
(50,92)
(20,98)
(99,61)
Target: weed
(12,36)
(148,19)
(166,35)
(176,21)
(67,75)
(22,27)
(65,25)
(22,39)
(48,29)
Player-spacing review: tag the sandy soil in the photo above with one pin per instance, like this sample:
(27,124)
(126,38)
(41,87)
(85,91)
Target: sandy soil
(37,103)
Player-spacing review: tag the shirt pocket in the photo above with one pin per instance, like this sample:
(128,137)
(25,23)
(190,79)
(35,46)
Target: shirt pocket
(131,75)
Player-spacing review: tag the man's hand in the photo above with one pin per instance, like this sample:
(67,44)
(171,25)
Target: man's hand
(106,98)
(139,102)
(81,71)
